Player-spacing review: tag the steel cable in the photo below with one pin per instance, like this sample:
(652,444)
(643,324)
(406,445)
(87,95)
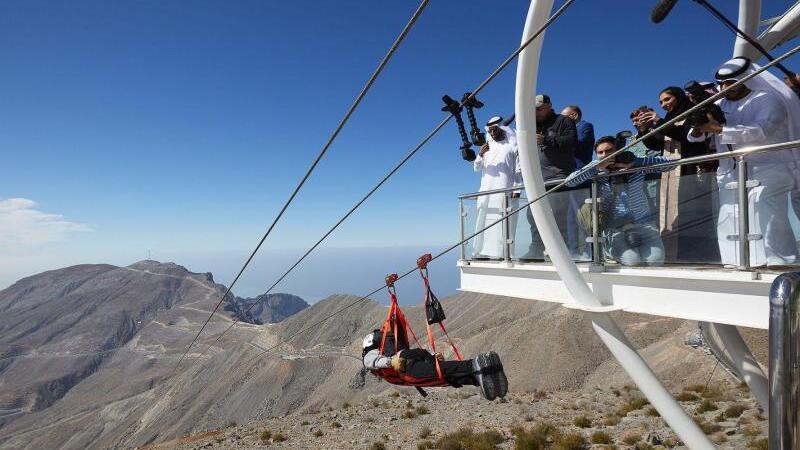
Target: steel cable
(384,61)
(405,159)
(548,192)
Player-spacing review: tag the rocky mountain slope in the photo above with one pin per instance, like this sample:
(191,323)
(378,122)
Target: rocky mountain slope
(266,308)
(136,396)
(617,417)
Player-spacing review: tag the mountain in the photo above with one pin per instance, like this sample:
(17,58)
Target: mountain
(57,394)
(266,308)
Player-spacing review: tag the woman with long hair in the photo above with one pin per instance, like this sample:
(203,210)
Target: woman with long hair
(691,228)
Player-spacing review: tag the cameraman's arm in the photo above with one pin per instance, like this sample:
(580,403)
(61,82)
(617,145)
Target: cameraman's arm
(651,160)
(770,115)
(576,179)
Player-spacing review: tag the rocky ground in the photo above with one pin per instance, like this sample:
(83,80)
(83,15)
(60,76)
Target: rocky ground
(593,418)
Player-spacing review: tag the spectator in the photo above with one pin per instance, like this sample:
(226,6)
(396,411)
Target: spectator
(630,237)
(794,86)
(761,111)
(557,139)
(584,152)
(643,127)
(498,163)
(689,221)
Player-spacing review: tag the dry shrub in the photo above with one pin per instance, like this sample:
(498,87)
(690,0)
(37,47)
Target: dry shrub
(536,438)
(652,412)
(600,437)
(760,444)
(421,410)
(751,431)
(631,438)
(582,422)
(735,410)
(279,437)
(426,445)
(336,425)
(706,406)
(687,397)
(611,420)
(265,435)
(408,414)
(466,439)
(318,433)
(570,441)
(632,405)
(424,432)
(719,438)
(707,427)
(377,446)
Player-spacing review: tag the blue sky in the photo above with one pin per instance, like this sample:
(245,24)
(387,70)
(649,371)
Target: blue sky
(181,127)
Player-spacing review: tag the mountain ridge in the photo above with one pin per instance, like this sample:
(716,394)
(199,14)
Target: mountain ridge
(136,395)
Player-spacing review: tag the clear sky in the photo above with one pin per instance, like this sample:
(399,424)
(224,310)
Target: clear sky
(180,127)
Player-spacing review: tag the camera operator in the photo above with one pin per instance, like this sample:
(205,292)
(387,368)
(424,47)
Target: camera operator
(689,221)
(557,139)
(626,216)
(761,111)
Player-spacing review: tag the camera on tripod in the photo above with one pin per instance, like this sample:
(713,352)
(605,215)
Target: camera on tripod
(698,95)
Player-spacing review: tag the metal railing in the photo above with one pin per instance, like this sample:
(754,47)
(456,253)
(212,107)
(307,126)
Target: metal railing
(743,236)
(784,362)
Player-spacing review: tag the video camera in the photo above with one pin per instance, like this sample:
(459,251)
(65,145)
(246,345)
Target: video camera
(698,95)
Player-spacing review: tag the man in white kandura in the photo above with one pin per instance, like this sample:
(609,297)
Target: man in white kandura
(499,163)
(761,111)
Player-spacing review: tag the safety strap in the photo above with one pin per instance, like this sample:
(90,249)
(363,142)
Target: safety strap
(422,265)
(395,318)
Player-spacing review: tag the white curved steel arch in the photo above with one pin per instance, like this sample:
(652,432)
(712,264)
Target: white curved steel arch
(603,324)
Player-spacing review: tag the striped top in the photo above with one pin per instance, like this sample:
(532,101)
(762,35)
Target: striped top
(630,204)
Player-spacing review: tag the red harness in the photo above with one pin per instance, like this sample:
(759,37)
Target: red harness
(396,321)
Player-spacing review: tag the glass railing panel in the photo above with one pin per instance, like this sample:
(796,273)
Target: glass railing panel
(574,228)
(655,218)
(482,211)
(773,203)
(469,214)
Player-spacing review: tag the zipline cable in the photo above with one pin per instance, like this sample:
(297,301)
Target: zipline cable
(547,192)
(316,161)
(404,160)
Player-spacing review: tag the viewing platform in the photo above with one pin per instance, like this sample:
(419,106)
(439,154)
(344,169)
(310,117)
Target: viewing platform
(663,276)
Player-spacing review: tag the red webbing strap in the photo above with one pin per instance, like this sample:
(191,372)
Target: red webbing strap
(422,264)
(431,340)
(394,316)
(452,344)
(387,324)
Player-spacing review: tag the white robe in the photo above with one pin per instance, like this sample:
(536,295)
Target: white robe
(758,119)
(500,169)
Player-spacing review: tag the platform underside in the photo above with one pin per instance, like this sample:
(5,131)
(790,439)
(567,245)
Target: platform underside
(697,292)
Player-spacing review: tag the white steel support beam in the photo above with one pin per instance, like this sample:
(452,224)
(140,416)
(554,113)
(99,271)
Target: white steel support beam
(604,326)
(749,18)
(784,29)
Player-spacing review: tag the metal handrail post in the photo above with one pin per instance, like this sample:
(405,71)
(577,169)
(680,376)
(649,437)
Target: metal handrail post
(461,214)
(596,250)
(784,362)
(506,232)
(744,215)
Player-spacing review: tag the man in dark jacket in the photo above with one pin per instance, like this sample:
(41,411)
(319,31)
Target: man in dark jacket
(558,140)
